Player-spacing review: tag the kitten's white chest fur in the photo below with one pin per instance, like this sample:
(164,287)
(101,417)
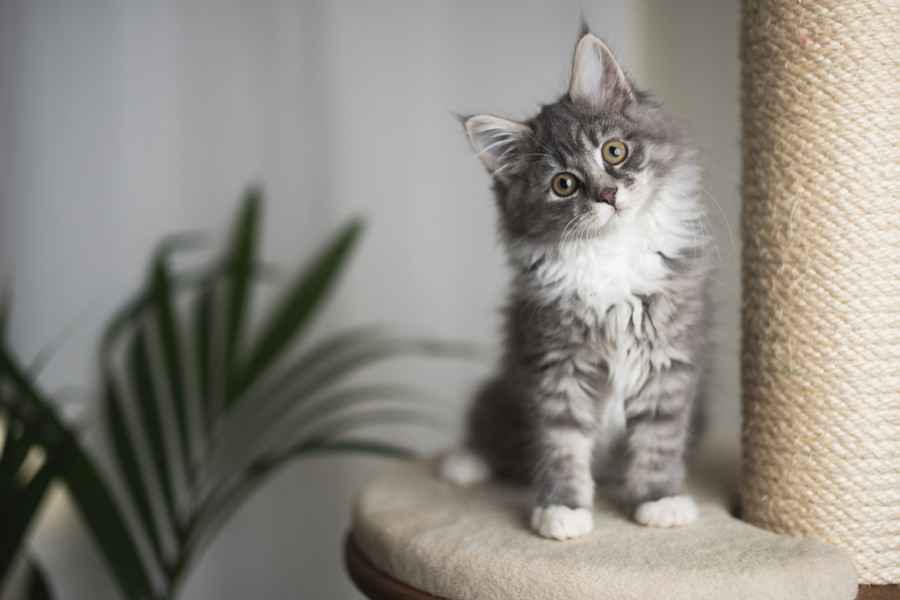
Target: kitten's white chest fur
(606,281)
(605,272)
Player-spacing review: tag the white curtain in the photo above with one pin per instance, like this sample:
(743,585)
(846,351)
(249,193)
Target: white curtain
(123,120)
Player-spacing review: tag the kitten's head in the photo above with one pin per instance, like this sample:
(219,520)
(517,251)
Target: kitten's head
(583,164)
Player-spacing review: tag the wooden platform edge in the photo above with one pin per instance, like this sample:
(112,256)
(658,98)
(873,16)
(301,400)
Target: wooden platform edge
(378,585)
(375,583)
(879,592)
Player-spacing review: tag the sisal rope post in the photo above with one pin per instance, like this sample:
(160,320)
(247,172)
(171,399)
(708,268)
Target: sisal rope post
(821,275)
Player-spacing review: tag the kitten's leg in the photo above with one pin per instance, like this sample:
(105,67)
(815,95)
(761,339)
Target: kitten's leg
(564,481)
(658,428)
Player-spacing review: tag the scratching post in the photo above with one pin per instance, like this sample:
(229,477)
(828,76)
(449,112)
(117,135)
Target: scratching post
(821,275)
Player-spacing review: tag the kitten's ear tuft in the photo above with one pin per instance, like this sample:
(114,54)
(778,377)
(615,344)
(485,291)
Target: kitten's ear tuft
(597,80)
(583,28)
(495,140)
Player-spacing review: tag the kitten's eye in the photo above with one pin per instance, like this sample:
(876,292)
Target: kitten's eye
(614,151)
(565,184)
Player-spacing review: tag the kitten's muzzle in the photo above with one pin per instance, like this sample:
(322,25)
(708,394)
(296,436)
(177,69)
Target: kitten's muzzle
(607,196)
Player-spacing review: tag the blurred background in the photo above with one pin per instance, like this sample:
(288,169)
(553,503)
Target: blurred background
(121,121)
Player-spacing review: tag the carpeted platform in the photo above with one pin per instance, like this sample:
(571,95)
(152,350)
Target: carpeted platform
(474,544)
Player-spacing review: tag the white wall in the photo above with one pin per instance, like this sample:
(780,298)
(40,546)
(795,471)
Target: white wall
(123,120)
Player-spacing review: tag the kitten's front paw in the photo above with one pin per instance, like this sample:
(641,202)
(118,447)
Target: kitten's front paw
(561,522)
(671,511)
(463,468)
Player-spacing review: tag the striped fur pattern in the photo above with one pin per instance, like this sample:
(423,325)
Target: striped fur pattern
(605,322)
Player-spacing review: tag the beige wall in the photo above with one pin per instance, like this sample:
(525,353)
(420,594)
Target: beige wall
(122,120)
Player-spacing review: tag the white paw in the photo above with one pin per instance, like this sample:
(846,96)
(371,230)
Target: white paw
(464,468)
(672,511)
(561,522)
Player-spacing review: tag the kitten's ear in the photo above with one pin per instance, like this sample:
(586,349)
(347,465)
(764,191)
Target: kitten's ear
(597,80)
(495,140)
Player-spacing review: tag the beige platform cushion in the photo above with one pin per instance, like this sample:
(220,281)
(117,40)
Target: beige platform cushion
(474,544)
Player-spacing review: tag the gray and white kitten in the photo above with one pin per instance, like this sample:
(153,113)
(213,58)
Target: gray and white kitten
(600,214)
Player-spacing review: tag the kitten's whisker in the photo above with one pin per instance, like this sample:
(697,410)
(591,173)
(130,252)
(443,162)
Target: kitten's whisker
(724,217)
(565,231)
(707,232)
(575,233)
(589,222)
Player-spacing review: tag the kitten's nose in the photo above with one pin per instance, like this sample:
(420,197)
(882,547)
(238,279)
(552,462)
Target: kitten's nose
(607,195)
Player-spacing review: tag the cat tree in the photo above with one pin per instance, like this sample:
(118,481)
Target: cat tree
(821,371)
(821,275)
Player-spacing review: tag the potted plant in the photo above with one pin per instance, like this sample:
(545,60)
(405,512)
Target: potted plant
(198,408)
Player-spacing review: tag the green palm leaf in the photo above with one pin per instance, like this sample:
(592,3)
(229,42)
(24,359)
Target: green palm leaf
(21,492)
(161,291)
(123,317)
(244,442)
(125,454)
(269,401)
(17,441)
(337,425)
(21,503)
(290,316)
(322,352)
(304,379)
(101,514)
(258,416)
(202,319)
(223,504)
(363,446)
(322,406)
(89,491)
(140,374)
(240,267)
(242,255)
(333,359)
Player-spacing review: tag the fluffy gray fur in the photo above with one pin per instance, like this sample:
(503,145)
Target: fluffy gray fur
(605,323)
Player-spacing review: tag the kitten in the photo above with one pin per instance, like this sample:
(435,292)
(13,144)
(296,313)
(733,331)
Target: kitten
(600,214)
